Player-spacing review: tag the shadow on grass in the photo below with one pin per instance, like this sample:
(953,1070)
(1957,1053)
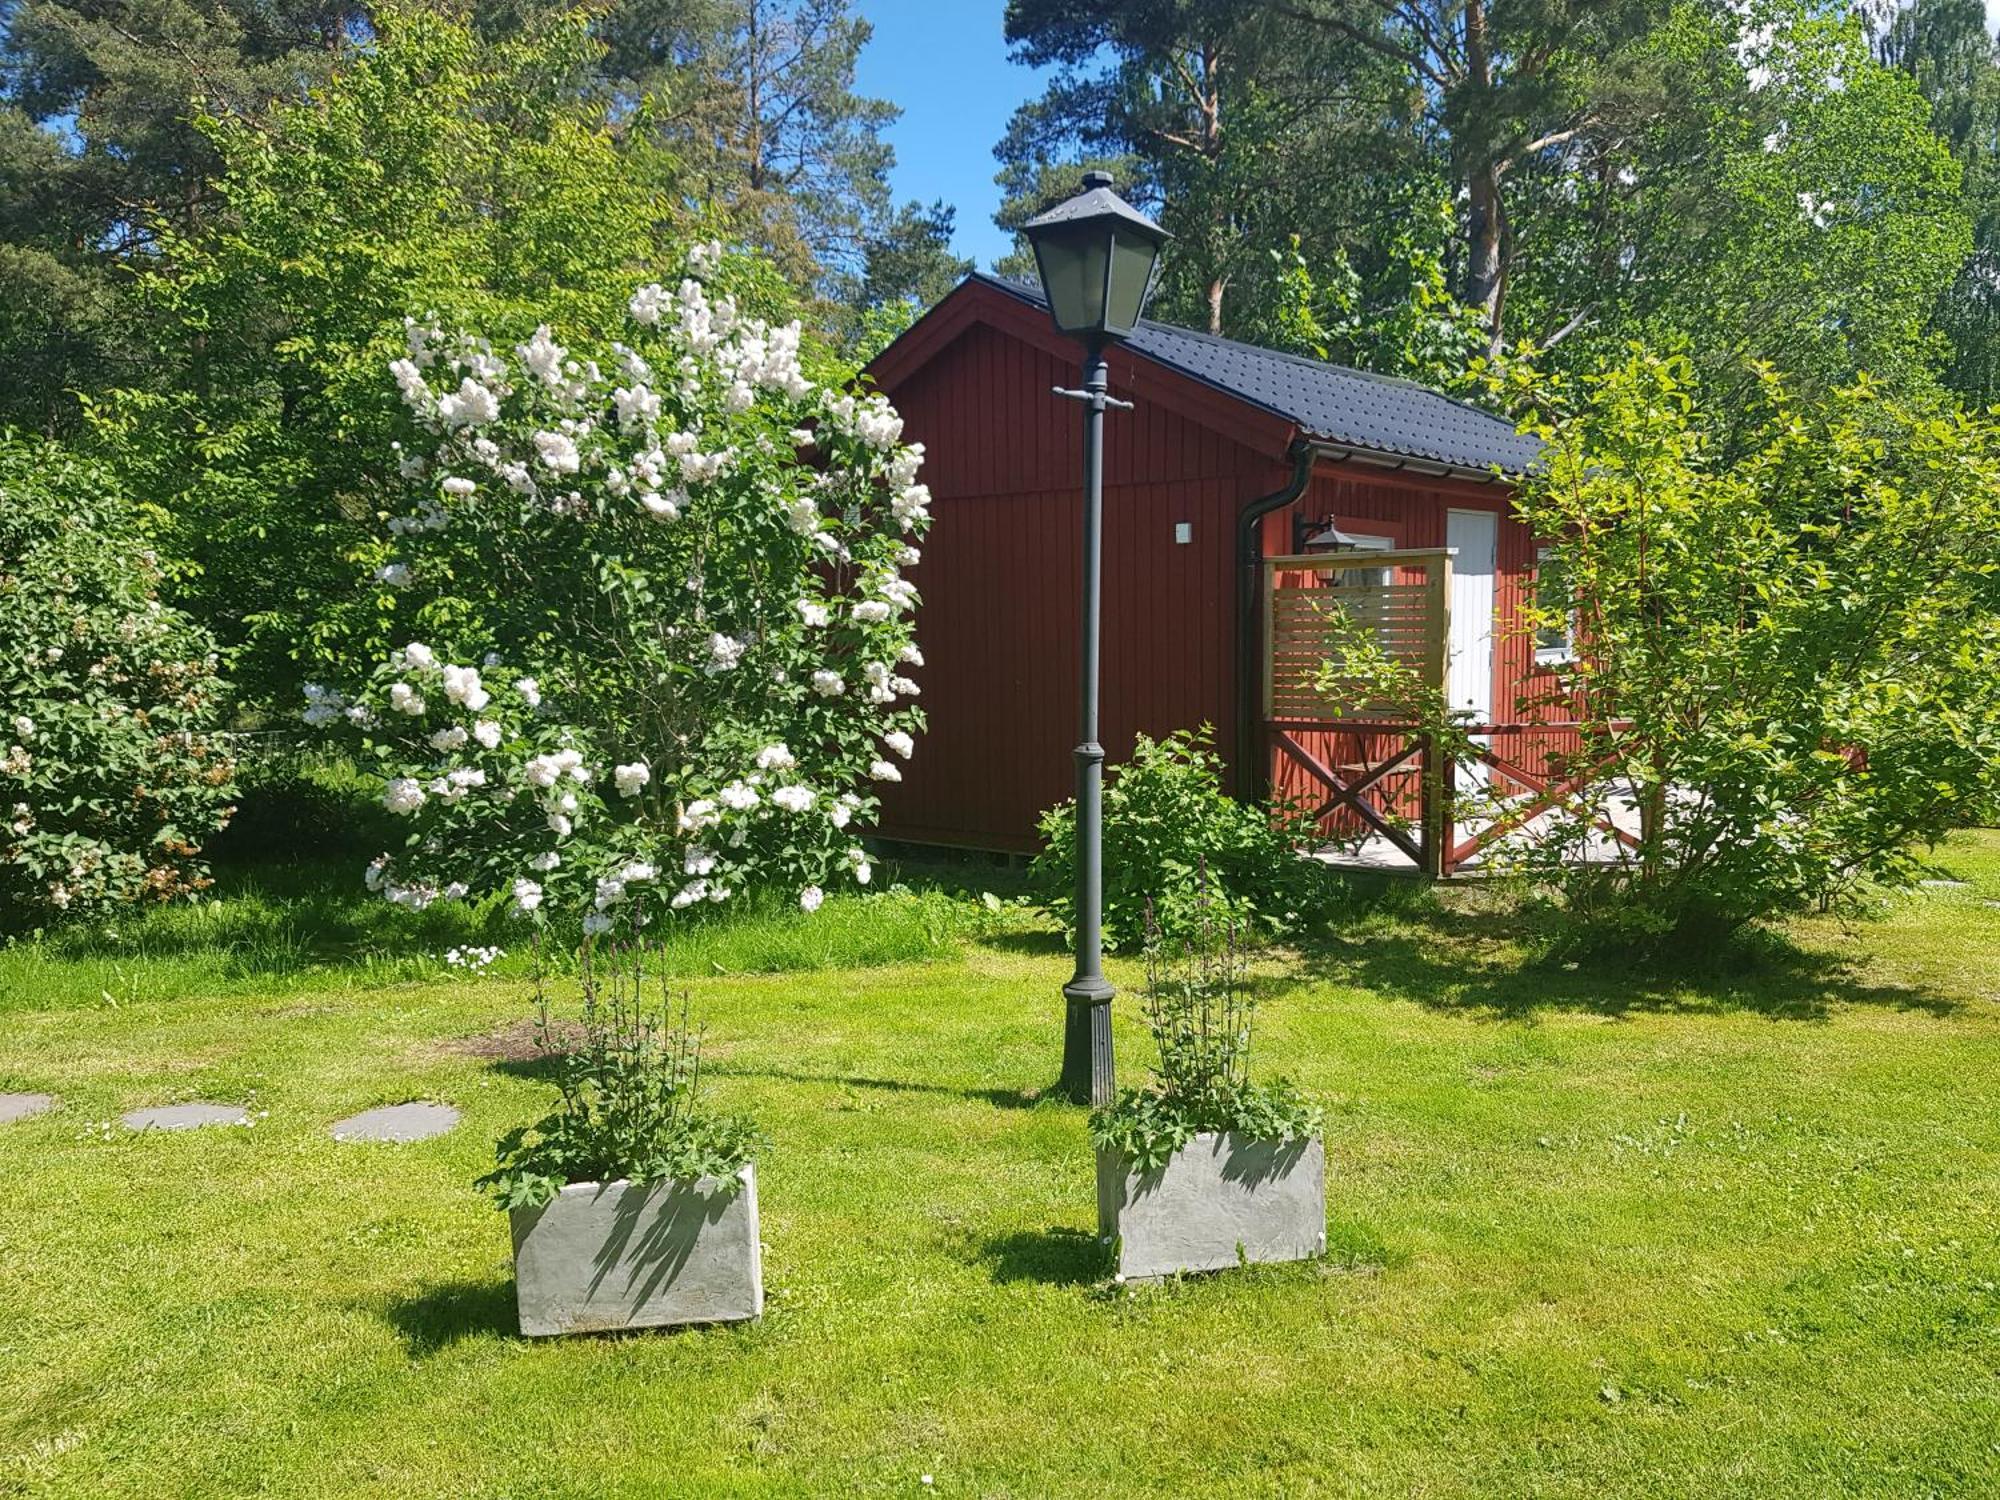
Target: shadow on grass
(1483,962)
(997,1097)
(282,920)
(1054,1257)
(444,1315)
(1037,944)
(972,875)
(278,919)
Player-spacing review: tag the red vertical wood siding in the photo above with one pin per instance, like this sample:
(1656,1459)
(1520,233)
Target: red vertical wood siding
(1001,579)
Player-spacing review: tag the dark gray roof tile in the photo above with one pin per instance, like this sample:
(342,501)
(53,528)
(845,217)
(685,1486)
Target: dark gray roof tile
(1355,408)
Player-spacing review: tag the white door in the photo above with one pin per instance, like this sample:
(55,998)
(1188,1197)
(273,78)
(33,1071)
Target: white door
(1474,537)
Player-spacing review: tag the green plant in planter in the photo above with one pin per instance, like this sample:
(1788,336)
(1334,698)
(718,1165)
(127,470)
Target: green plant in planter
(1200,1014)
(628,1073)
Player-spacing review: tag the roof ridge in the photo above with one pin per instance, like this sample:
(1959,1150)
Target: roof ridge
(1309,361)
(1393,422)
(1402,381)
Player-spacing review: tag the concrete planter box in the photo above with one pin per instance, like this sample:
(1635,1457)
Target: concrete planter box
(1222,1201)
(599,1257)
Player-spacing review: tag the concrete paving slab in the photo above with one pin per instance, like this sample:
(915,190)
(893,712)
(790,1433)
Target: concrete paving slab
(416,1121)
(22,1106)
(185,1116)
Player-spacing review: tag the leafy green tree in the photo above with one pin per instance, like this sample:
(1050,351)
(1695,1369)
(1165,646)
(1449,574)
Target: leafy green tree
(758,102)
(432,171)
(1793,207)
(911,265)
(1745,178)
(1946,46)
(913,260)
(1789,634)
(1241,125)
(1503,85)
(1403,320)
(108,148)
(99,155)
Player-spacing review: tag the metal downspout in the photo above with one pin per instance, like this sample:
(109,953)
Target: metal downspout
(1252,773)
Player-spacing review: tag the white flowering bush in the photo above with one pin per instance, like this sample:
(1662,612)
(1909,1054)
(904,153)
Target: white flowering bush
(112,773)
(658,628)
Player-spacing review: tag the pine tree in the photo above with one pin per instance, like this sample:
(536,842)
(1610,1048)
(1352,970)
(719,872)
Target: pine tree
(97,156)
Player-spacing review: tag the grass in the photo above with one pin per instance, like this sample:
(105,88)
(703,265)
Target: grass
(1591,1234)
(311,928)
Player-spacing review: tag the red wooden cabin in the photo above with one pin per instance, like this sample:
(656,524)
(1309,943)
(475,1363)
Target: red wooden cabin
(1232,456)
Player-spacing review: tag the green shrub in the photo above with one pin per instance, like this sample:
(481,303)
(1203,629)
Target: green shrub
(113,773)
(1790,627)
(434,168)
(1174,839)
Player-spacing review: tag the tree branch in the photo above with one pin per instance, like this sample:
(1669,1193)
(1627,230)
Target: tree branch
(1542,143)
(1580,319)
(1374,43)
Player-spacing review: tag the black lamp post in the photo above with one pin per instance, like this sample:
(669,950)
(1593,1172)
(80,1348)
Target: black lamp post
(1096,254)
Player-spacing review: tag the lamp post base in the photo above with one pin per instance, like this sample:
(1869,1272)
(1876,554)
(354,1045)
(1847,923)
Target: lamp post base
(1087,1073)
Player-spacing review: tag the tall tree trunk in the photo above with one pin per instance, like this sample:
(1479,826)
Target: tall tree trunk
(1211,147)
(1483,239)
(753,143)
(1486,217)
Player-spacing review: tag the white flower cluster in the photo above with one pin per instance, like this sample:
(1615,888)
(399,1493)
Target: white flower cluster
(870,418)
(430,516)
(884,686)
(417,895)
(323,705)
(754,583)
(555,777)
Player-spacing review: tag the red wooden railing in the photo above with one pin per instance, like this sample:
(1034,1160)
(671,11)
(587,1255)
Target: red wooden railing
(1387,779)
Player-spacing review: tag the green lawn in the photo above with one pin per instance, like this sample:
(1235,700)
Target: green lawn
(1590,1236)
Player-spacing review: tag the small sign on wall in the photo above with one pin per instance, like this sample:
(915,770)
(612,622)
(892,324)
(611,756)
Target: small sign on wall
(1183,532)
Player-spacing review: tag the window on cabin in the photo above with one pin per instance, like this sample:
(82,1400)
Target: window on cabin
(1554,644)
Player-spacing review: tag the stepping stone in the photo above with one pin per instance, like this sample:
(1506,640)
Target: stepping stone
(1944,885)
(185,1117)
(397,1122)
(20,1106)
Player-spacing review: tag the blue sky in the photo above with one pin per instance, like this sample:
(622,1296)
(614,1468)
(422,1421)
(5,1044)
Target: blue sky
(945,62)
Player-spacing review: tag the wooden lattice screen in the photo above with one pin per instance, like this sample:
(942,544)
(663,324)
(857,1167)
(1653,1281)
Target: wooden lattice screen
(1402,597)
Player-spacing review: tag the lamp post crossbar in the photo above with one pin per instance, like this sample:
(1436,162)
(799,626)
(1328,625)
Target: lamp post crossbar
(1098,399)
